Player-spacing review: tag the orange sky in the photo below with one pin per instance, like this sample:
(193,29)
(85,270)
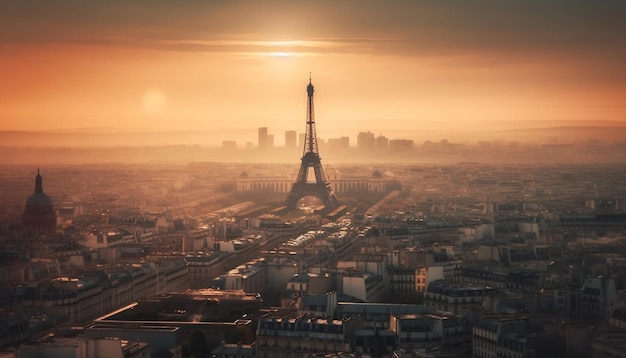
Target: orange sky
(377,65)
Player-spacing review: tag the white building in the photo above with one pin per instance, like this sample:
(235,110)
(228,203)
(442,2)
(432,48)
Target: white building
(250,277)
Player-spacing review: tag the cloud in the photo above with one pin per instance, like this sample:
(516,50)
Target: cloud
(592,33)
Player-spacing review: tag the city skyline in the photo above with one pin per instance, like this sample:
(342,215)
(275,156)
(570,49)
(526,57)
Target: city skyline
(470,201)
(227,68)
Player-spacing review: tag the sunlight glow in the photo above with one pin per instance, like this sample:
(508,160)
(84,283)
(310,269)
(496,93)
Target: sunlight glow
(154,102)
(290,43)
(281,54)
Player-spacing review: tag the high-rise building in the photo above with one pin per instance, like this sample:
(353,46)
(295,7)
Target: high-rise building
(338,144)
(262,137)
(366,141)
(400,145)
(290,139)
(382,143)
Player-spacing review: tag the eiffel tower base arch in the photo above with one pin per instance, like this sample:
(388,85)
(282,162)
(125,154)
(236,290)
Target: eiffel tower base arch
(319,190)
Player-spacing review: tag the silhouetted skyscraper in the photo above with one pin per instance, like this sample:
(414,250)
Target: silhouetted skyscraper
(382,143)
(366,141)
(400,145)
(291,139)
(262,137)
(336,145)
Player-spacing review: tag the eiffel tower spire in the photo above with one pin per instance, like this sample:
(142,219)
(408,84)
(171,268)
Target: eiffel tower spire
(311,159)
(310,139)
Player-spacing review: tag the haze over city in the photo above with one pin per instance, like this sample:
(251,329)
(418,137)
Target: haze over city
(117,72)
(163,193)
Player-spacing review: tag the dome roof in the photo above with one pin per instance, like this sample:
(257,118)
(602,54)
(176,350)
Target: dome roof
(39,217)
(38,199)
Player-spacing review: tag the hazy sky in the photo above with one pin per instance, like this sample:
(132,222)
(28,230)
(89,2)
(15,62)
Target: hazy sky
(377,65)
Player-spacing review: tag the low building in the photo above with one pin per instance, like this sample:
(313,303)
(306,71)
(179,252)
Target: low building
(450,296)
(164,340)
(318,305)
(92,293)
(515,337)
(488,276)
(595,301)
(234,351)
(376,315)
(365,286)
(494,336)
(406,282)
(250,277)
(203,267)
(14,329)
(374,342)
(402,281)
(194,322)
(297,287)
(448,333)
(285,334)
(82,347)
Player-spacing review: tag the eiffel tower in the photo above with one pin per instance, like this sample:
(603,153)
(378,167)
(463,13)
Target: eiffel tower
(311,159)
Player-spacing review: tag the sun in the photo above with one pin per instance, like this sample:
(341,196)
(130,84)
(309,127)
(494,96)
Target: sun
(154,102)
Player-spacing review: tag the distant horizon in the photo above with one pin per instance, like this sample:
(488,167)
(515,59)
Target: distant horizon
(570,132)
(542,124)
(387,67)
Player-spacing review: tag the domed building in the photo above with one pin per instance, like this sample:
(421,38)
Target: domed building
(39,216)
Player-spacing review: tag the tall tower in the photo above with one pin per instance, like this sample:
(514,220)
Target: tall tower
(311,159)
(263,138)
(39,216)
